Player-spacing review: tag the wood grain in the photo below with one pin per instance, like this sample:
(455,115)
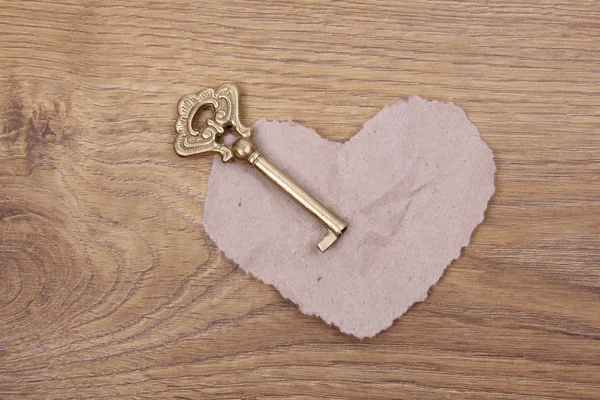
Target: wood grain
(109,287)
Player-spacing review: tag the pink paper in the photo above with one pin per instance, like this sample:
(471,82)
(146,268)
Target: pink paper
(413,185)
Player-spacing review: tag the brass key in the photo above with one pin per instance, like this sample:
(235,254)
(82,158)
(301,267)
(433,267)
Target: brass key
(225,101)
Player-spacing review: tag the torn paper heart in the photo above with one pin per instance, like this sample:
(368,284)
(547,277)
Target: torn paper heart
(413,185)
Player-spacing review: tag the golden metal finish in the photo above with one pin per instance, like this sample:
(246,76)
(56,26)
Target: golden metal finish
(225,100)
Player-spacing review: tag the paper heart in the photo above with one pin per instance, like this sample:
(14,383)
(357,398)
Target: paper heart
(413,185)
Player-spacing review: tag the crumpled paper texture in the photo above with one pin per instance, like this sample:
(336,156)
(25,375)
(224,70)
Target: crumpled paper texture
(413,185)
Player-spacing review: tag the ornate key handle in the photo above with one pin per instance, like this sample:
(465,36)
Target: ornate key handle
(225,100)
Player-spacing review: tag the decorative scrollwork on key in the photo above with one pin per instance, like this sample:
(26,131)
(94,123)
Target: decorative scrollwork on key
(225,100)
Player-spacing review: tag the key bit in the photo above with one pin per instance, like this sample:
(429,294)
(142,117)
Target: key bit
(225,101)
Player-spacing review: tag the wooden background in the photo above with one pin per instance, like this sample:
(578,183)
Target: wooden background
(109,287)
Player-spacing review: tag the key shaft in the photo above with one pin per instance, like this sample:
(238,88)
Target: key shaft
(245,149)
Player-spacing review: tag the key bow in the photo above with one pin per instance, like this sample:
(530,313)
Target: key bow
(225,99)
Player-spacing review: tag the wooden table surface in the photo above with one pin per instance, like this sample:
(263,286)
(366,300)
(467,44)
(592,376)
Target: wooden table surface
(110,288)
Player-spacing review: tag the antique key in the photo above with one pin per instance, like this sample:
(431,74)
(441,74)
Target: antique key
(225,100)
